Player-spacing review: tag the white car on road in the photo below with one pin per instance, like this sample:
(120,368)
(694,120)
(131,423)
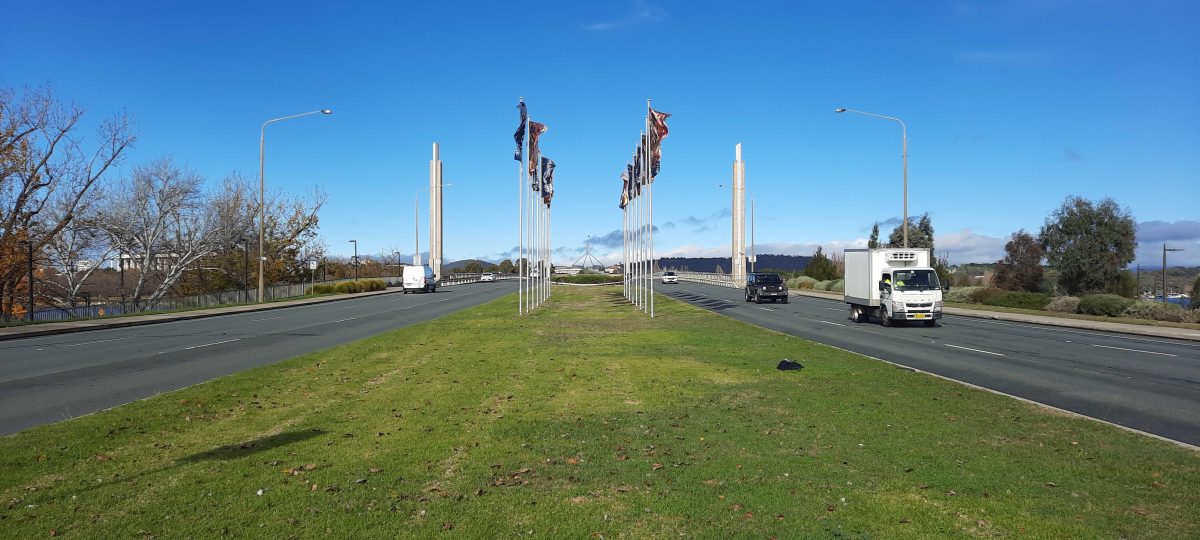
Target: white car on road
(488,278)
(670,278)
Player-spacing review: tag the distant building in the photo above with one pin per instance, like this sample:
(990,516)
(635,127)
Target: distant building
(613,269)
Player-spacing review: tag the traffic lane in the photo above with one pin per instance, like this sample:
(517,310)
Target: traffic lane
(1167,408)
(50,354)
(48,398)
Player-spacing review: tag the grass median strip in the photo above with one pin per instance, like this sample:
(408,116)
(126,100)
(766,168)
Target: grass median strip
(588,419)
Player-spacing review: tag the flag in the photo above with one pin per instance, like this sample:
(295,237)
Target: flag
(520,134)
(625,187)
(535,130)
(547,180)
(658,132)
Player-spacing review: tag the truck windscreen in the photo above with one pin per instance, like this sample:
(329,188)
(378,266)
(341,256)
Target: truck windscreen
(915,280)
(769,279)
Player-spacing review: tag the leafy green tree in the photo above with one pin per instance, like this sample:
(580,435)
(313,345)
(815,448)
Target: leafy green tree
(820,267)
(507,267)
(920,234)
(1089,244)
(873,241)
(473,267)
(1021,268)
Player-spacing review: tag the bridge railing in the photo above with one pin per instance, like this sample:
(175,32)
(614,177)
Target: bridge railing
(722,280)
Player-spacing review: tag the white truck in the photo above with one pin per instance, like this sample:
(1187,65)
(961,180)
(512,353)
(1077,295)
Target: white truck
(895,284)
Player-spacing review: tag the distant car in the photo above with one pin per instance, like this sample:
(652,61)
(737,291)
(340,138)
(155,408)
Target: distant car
(669,278)
(488,277)
(765,286)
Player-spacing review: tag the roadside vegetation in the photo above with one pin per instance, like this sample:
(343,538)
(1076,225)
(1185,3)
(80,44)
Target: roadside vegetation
(587,279)
(349,287)
(588,419)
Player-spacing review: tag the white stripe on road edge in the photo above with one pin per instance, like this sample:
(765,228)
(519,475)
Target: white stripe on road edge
(831,322)
(976,350)
(766,309)
(1109,333)
(267,319)
(87,343)
(210,344)
(1133,350)
(341,320)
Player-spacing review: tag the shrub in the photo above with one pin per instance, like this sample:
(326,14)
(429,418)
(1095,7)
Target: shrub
(1191,316)
(821,285)
(961,295)
(374,285)
(1018,299)
(802,282)
(984,294)
(588,279)
(837,286)
(1154,311)
(1064,304)
(321,289)
(1109,305)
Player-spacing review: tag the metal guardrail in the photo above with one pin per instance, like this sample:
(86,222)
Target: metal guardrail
(722,280)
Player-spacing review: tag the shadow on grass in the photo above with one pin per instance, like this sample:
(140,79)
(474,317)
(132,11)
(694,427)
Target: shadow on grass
(243,449)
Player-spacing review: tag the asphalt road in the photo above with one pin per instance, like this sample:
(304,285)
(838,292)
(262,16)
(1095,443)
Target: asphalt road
(51,378)
(1149,384)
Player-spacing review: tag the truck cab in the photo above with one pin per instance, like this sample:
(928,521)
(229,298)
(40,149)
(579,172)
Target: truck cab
(896,285)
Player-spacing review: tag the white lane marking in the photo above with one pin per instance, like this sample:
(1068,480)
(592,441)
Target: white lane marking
(85,343)
(831,322)
(267,319)
(766,309)
(209,344)
(835,309)
(976,350)
(341,320)
(1133,350)
(1113,335)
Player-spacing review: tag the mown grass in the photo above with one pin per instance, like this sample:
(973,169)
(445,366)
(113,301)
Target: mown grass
(588,419)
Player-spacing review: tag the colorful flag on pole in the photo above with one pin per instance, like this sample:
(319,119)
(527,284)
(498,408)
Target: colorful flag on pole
(658,132)
(520,134)
(625,186)
(536,129)
(547,180)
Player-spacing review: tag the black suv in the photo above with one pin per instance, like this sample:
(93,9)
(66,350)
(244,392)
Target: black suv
(761,287)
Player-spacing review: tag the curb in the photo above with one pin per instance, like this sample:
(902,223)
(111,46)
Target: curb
(1096,326)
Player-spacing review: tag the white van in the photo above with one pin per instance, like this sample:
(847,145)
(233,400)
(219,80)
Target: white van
(419,278)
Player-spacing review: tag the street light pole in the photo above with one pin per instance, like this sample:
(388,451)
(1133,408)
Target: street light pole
(1164,269)
(904,151)
(355,242)
(262,204)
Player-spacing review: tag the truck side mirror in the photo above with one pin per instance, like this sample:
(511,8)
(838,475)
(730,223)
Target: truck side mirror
(882,286)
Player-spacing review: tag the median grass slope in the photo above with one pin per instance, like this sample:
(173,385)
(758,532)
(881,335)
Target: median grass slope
(587,419)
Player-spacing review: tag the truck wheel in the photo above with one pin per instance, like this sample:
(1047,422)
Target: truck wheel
(785,299)
(884,320)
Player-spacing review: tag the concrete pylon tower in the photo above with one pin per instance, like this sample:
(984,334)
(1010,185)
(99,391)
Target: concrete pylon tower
(435,213)
(738,253)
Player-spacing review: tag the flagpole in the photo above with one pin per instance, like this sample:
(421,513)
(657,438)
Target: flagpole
(650,201)
(521,216)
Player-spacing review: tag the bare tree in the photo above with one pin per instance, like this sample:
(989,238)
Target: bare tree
(78,250)
(167,222)
(43,159)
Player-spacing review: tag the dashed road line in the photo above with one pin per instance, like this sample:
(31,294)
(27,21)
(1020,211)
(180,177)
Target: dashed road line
(210,344)
(1133,350)
(833,323)
(975,350)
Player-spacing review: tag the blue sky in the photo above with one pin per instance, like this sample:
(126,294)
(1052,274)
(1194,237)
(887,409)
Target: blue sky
(1010,106)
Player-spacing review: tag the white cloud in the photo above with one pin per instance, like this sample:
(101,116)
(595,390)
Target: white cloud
(967,246)
(643,12)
